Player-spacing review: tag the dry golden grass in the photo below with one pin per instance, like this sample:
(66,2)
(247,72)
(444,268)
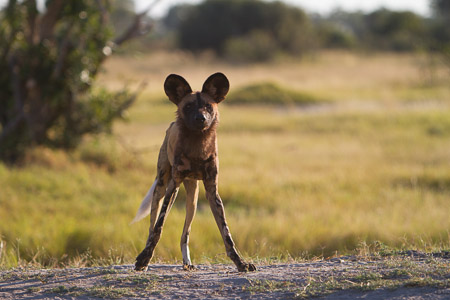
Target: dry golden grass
(335,75)
(372,164)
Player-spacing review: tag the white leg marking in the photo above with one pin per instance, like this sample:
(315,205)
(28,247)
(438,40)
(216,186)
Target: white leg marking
(186,254)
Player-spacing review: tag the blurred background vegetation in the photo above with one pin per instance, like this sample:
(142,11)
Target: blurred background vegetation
(249,30)
(334,137)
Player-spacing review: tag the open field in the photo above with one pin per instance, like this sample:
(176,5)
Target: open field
(369,163)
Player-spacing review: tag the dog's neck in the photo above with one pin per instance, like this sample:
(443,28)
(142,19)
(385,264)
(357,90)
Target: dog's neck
(200,144)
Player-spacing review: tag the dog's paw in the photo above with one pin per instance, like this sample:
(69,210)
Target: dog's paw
(189,268)
(141,263)
(245,267)
(140,266)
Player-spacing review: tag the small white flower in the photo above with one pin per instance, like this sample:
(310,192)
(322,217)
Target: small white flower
(82,15)
(84,76)
(107,51)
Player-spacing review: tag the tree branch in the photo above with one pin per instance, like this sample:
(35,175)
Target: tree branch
(49,19)
(9,41)
(63,51)
(15,83)
(18,99)
(138,27)
(133,97)
(32,14)
(11,126)
(103,10)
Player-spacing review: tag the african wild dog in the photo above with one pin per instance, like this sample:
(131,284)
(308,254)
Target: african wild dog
(188,154)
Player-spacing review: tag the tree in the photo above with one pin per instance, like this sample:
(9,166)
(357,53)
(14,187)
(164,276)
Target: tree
(48,61)
(391,30)
(242,25)
(440,30)
(441,24)
(441,8)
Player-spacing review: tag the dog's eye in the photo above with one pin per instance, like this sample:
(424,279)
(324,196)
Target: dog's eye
(188,106)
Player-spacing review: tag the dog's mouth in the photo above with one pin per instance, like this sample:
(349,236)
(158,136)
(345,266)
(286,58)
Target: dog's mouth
(200,126)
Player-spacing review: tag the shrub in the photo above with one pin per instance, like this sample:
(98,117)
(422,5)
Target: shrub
(49,61)
(271,94)
(226,25)
(257,46)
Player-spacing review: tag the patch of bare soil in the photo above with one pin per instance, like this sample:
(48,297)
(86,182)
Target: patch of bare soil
(401,277)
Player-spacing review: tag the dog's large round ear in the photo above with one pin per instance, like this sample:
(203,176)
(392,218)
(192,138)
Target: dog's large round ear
(216,86)
(176,87)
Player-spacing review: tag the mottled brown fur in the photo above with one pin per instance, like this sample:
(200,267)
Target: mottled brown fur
(188,154)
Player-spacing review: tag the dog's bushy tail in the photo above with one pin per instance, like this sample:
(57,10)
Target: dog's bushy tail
(146,205)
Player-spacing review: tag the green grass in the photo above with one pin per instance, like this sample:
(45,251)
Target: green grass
(295,184)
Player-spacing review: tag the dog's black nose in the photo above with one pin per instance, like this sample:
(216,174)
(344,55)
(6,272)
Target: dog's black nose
(200,118)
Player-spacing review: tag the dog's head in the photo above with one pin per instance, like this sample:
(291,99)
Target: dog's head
(198,111)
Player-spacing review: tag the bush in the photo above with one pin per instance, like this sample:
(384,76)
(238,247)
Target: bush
(257,46)
(271,94)
(440,38)
(226,25)
(399,31)
(49,61)
(334,37)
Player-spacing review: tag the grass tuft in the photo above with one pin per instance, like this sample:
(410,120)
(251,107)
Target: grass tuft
(267,286)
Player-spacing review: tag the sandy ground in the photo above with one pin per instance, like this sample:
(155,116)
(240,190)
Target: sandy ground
(338,278)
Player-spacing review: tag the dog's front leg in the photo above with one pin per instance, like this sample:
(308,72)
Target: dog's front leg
(218,211)
(191,187)
(144,257)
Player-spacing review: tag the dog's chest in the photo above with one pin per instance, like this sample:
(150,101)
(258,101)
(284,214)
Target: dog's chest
(186,167)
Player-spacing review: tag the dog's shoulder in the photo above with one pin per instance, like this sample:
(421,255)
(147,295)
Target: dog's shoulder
(172,133)
(171,140)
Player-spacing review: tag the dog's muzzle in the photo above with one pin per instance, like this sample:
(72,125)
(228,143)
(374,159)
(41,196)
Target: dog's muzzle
(200,118)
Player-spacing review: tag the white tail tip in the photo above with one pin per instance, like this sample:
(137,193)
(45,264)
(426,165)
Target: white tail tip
(146,205)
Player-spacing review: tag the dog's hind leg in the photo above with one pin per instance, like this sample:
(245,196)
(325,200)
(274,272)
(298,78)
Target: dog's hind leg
(162,181)
(145,256)
(163,176)
(191,187)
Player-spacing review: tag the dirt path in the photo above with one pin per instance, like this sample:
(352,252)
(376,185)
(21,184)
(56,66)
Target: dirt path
(399,277)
